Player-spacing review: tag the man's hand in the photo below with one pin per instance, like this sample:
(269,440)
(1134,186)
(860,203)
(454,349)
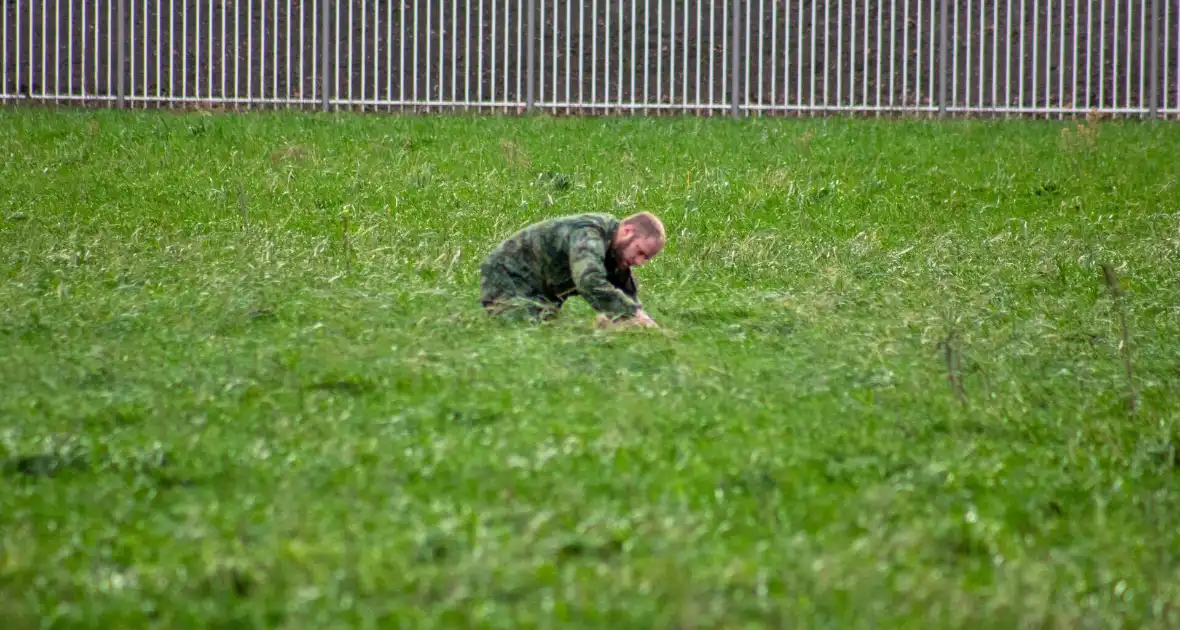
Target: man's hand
(645,320)
(639,319)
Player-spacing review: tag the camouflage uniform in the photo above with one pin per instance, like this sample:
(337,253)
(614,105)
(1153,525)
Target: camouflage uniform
(536,270)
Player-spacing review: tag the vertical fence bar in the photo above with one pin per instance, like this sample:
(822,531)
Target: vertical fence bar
(634,38)
(225,45)
(504,68)
(532,61)
(426,53)
(864,71)
(1127,72)
(1048,56)
(840,53)
(1061,63)
(697,56)
(364,51)
(112,16)
(892,46)
(146,59)
(4,51)
(582,53)
(931,73)
(995,50)
(622,34)
(325,42)
(646,50)
(671,52)
(569,37)
(1101,54)
(1074,90)
(942,44)
(982,50)
(917,56)
(905,55)
(69,54)
(57,49)
(955,55)
(122,51)
(813,64)
(1020,57)
(413,63)
(250,48)
(454,53)
(1167,53)
(521,67)
(700,54)
(466,52)
(659,49)
(1036,34)
(773,53)
(83,43)
(734,58)
(238,50)
(880,55)
(1142,53)
(827,65)
(196,50)
(698,71)
(208,51)
(594,52)
(748,12)
(130,46)
(713,24)
(786,53)
(45,50)
(287,23)
(1114,58)
(16,54)
(364,42)
(1089,51)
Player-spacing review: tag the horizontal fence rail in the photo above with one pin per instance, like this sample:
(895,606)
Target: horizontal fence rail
(1052,58)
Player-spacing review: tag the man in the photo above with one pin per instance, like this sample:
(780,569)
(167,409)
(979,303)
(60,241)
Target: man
(536,270)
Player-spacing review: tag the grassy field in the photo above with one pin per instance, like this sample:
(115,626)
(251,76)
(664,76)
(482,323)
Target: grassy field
(245,378)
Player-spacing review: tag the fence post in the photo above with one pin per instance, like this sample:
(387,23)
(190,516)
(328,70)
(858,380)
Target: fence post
(121,57)
(531,63)
(942,46)
(734,58)
(325,17)
(1153,108)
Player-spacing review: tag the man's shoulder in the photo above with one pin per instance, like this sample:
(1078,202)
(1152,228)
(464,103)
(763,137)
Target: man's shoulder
(556,232)
(601,222)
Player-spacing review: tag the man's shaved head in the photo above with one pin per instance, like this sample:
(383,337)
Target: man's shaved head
(646,225)
(640,237)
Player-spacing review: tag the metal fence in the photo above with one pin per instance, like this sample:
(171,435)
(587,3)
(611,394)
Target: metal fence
(713,57)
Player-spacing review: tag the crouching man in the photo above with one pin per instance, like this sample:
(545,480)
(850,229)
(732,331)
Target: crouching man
(533,272)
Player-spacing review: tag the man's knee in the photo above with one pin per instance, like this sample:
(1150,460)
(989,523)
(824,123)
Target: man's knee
(519,307)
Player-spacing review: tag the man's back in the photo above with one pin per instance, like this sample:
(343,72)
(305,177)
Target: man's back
(550,261)
(540,253)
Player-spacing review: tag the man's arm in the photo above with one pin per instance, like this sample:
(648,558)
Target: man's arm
(587,251)
(625,280)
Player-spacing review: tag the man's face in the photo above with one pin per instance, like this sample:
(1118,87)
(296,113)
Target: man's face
(633,251)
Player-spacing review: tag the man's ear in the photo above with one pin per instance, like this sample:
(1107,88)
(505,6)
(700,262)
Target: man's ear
(625,231)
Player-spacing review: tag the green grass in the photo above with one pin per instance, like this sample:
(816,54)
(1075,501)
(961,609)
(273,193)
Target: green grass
(214,414)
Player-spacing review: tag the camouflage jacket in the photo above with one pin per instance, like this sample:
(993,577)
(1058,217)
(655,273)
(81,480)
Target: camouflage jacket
(567,256)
